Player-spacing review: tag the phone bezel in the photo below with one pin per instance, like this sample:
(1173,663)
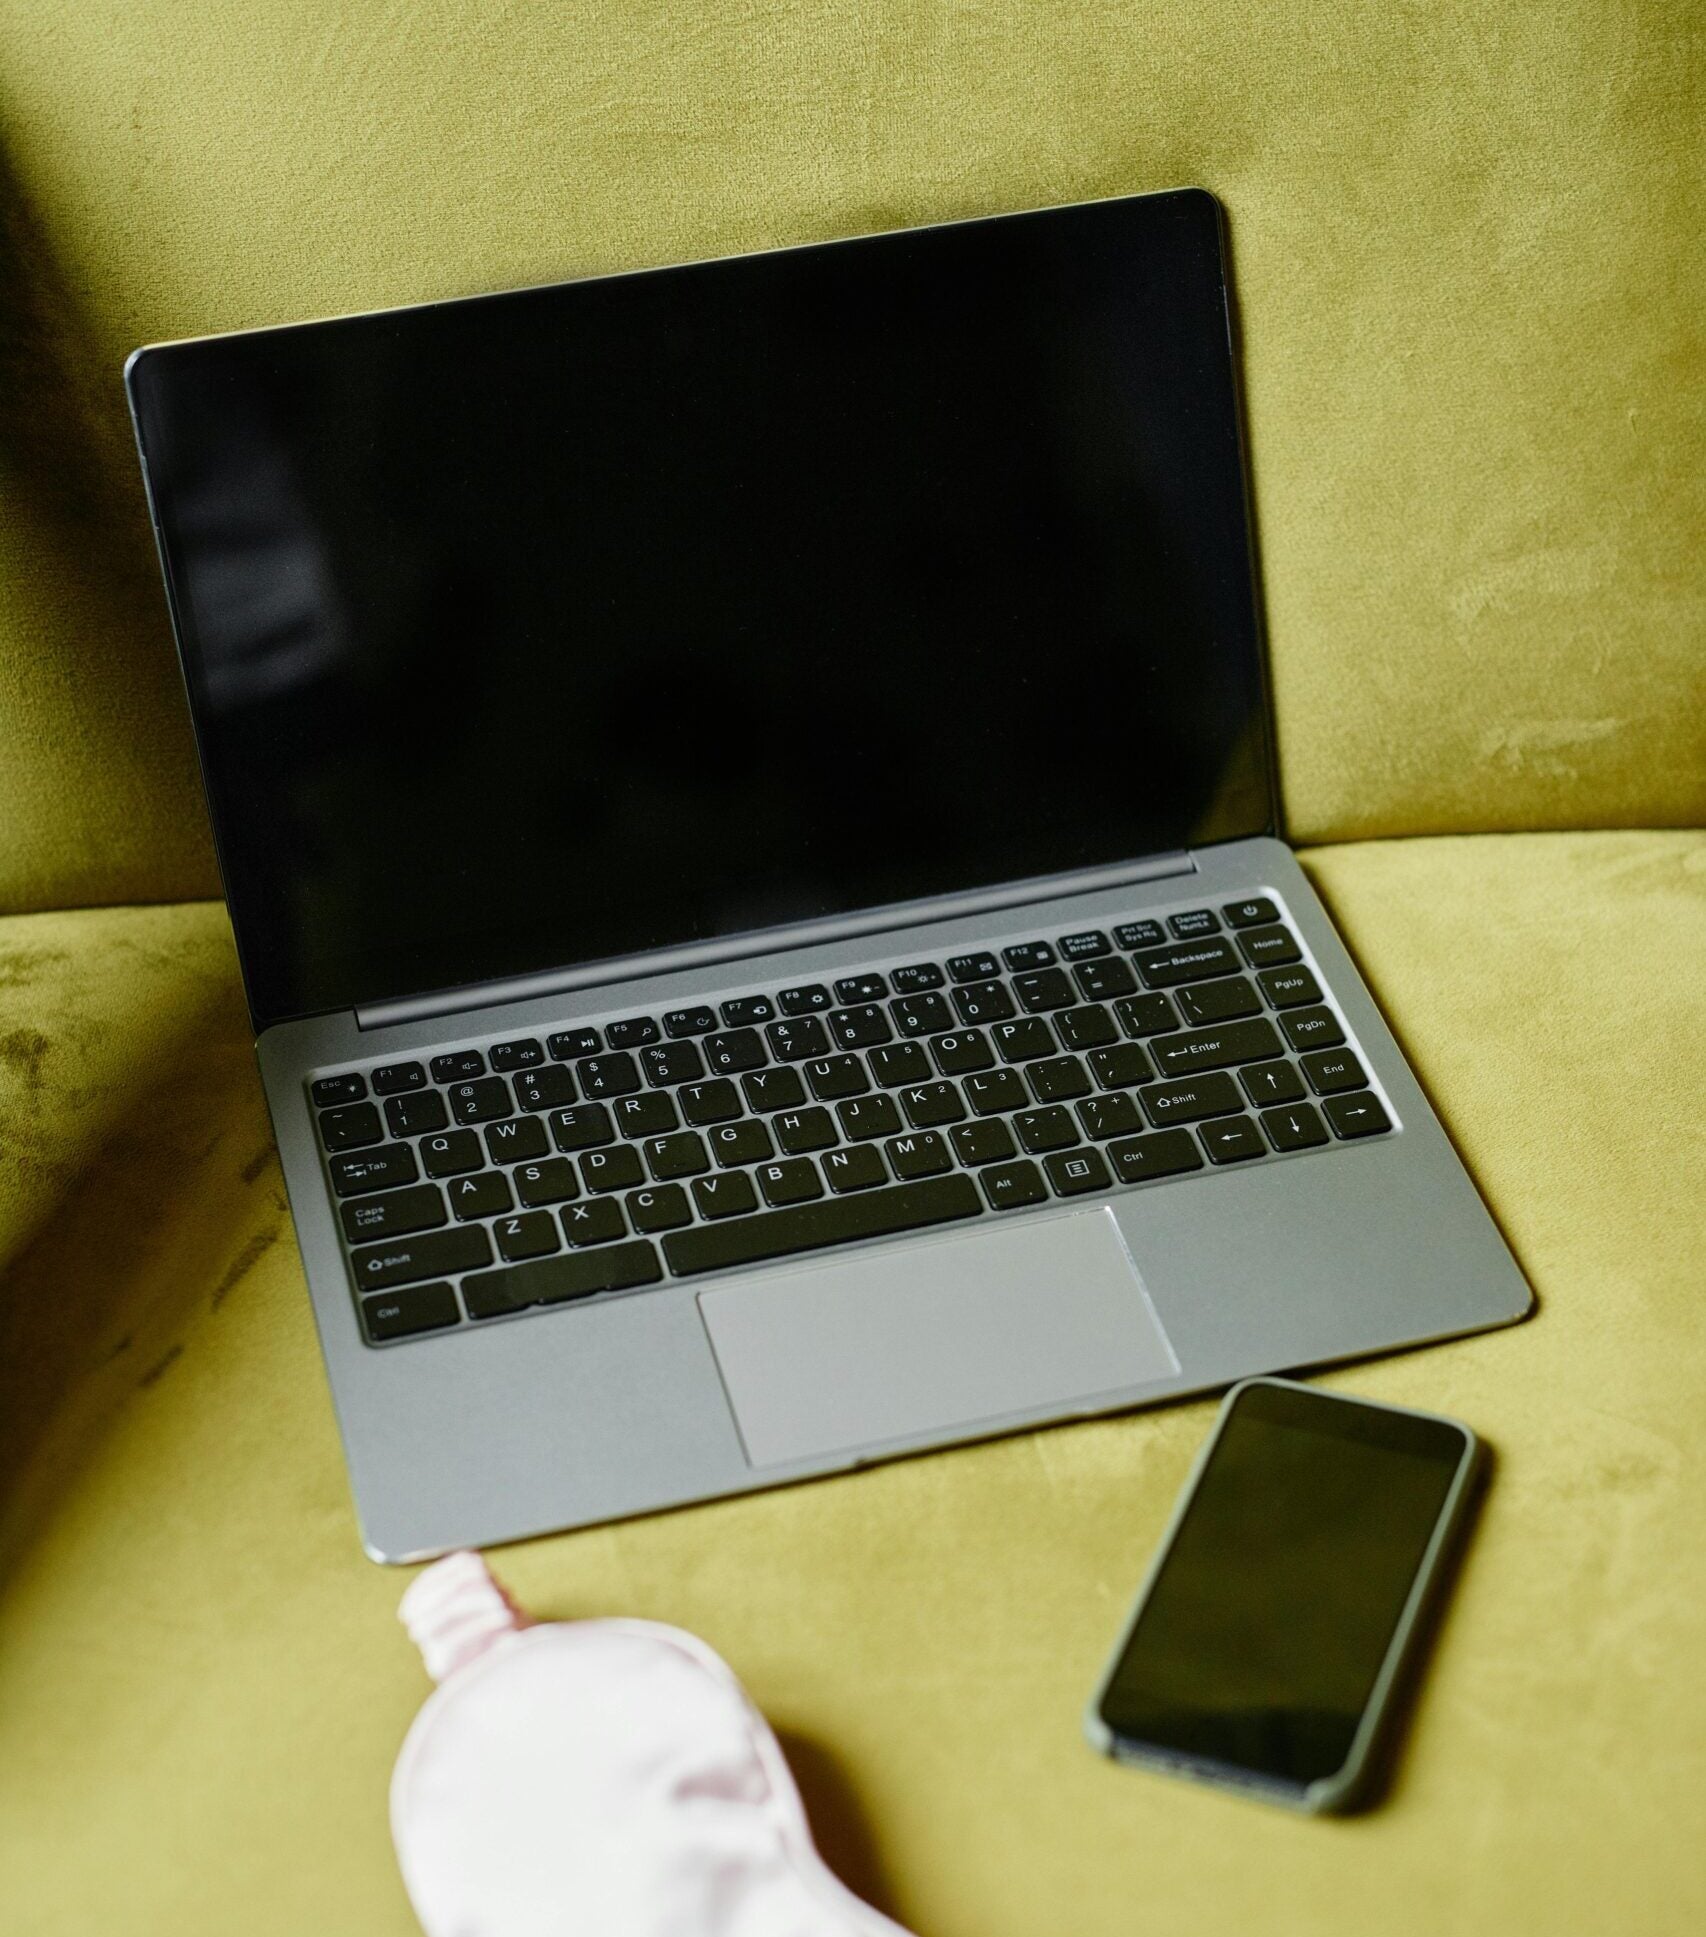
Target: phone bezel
(1342,1789)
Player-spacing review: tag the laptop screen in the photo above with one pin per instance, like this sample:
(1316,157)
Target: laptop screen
(545,628)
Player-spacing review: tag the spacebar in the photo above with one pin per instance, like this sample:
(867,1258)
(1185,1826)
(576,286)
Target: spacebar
(807,1227)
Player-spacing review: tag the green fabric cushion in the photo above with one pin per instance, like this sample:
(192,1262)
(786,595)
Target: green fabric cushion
(202,1686)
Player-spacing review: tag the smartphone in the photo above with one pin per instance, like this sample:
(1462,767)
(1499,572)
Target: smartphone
(1276,1621)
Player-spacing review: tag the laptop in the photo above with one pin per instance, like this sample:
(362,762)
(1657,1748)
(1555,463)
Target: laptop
(747,804)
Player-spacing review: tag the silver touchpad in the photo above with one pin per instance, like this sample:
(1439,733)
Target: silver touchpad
(933,1336)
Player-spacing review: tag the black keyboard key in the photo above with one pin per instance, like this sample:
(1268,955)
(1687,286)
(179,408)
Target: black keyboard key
(1165,968)
(805,1000)
(899,1062)
(569,1044)
(560,1280)
(1102,981)
(1266,947)
(523,1053)
(1146,1015)
(485,1194)
(923,1015)
(635,1033)
(551,1182)
(416,1116)
(808,1227)
(582,1128)
(1332,1070)
(406,1261)
(836,1076)
(1020,1042)
(545,1089)
(481,1101)
(962,1052)
(664,1208)
(1232,1140)
(1193,922)
(861,988)
(1048,1129)
(700,1020)
(800,1130)
(917,979)
(1084,945)
(1217,1048)
(1295,1128)
(1169,1153)
(1044,989)
(1227,1001)
(1011,1186)
(1074,1172)
(976,967)
(1271,1083)
(394,1079)
(717,1101)
(1023,956)
(460,1066)
(996,1090)
(1109,1116)
(1311,1028)
(671,1062)
(1058,1079)
(338,1089)
(650,1115)
(790,1180)
(1121,1067)
(989,1142)
(408,1313)
(528,1234)
(859,1028)
(681,1155)
(983,1002)
(746,1142)
(928,1105)
(395,1214)
(922,1153)
(727,1196)
(612,1075)
(1185,1102)
(1357,1115)
(773,1089)
(1287,988)
(616,1167)
(792,1042)
(352,1127)
(1139,934)
(513,1142)
(746,1010)
(863,1117)
(595,1220)
(860,1168)
(1251,913)
(451,1153)
(734,1051)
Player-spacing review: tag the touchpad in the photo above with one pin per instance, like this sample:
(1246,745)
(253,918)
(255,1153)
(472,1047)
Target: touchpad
(947,1333)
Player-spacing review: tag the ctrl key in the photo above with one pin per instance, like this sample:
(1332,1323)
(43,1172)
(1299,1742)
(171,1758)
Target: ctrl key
(403,1314)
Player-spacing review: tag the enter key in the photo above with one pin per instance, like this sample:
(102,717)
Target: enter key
(1218,1048)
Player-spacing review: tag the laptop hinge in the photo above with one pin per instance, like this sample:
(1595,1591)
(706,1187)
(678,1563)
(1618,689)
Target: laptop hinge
(766,941)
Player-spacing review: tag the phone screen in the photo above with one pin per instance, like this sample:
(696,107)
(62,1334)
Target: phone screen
(1263,1633)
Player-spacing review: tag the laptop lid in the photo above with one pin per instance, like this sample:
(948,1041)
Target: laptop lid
(552,627)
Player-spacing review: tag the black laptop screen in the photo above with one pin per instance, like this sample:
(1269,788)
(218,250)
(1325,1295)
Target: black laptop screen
(545,628)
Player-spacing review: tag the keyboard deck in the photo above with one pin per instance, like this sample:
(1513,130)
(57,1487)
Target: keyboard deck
(487,1181)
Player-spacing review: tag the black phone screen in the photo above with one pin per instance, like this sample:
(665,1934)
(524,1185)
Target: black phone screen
(1260,1640)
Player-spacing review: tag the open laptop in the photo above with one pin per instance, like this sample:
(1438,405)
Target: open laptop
(747,806)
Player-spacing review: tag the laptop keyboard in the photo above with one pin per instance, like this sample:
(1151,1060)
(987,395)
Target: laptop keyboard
(483,1182)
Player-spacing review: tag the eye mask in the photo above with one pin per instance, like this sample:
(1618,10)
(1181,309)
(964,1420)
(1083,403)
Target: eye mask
(605,1777)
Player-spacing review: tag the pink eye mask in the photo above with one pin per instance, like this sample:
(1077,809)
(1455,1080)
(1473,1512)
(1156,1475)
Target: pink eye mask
(601,1778)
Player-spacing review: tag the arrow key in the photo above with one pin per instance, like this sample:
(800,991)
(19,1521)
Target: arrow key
(1295,1128)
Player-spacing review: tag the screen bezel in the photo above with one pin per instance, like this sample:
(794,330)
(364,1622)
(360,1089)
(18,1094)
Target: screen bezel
(864,919)
(1283,1402)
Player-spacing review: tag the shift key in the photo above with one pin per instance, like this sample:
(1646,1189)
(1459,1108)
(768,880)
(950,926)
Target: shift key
(1185,1102)
(379,1266)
